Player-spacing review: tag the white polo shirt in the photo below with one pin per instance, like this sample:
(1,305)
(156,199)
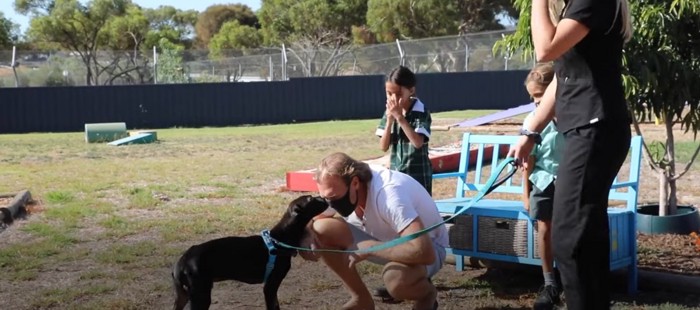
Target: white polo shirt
(394,200)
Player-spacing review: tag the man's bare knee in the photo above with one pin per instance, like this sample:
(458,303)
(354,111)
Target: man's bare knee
(332,233)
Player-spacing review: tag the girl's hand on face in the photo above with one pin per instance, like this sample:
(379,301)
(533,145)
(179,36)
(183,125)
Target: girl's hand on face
(388,108)
(394,107)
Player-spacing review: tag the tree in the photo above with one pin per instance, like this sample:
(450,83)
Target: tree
(389,20)
(662,77)
(74,26)
(317,31)
(9,32)
(286,21)
(170,67)
(409,19)
(233,41)
(214,17)
(132,36)
(113,38)
(482,15)
(661,73)
(168,22)
(125,38)
(234,36)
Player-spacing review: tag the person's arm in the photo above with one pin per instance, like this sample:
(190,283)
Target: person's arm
(526,181)
(417,140)
(545,113)
(418,251)
(394,108)
(385,139)
(551,42)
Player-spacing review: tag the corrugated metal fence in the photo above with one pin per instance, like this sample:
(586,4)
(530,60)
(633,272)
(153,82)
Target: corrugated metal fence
(59,109)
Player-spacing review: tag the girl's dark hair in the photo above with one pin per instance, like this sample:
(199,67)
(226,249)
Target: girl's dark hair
(402,76)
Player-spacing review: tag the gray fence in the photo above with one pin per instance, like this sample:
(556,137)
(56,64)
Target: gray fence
(467,53)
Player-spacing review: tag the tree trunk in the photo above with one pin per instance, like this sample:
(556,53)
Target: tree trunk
(663,193)
(9,213)
(671,168)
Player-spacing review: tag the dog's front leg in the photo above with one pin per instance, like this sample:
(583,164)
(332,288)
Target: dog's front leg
(273,283)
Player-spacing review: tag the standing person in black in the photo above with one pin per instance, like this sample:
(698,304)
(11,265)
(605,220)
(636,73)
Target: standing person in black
(586,45)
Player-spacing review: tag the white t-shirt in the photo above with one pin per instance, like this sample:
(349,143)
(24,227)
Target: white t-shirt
(394,200)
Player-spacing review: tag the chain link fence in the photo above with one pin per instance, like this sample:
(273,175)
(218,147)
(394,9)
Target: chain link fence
(472,52)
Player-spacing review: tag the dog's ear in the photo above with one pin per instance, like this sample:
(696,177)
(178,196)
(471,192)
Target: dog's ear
(296,206)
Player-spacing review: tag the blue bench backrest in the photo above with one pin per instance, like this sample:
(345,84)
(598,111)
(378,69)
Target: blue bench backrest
(473,172)
(626,185)
(472,164)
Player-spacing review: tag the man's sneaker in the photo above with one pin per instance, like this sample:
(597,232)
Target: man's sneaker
(548,297)
(384,295)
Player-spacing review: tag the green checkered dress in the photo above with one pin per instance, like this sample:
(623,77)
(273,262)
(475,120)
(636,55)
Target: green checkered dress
(406,158)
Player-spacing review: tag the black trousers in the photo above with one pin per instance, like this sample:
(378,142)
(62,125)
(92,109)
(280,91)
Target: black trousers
(591,159)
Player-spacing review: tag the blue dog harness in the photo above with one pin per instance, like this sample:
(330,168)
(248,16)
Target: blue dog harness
(271,250)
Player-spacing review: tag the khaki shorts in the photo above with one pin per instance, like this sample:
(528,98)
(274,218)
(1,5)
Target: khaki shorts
(358,236)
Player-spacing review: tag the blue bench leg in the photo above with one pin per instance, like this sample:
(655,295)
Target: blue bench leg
(459,262)
(632,277)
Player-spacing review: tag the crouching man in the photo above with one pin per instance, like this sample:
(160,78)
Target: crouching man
(378,205)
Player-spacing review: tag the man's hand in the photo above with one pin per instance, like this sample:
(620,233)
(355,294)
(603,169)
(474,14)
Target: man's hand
(358,257)
(355,258)
(309,241)
(309,255)
(521,151)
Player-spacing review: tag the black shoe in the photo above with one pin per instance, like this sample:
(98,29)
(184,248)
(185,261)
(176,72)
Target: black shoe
(548,296)
(435,305)
(384,295)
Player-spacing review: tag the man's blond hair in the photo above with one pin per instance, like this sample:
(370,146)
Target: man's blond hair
(341,165)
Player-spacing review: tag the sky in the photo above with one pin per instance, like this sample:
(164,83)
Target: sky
(7,7)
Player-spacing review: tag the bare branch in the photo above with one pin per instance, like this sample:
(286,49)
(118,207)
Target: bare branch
(647,153)
(122,73)
(687,166)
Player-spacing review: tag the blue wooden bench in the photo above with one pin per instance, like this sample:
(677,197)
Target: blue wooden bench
(498,227)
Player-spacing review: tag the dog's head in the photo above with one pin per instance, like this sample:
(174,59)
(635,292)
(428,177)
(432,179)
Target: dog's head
(307,206)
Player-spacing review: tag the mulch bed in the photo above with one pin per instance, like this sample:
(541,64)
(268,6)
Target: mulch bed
(669,253)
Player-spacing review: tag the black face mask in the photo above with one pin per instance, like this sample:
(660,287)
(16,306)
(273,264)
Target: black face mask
(343,204)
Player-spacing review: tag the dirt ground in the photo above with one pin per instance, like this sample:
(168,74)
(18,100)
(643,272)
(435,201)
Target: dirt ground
(311,286)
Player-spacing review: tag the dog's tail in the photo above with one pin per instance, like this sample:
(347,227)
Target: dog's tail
(181,294)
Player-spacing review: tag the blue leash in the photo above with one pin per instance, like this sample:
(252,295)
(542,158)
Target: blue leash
(492,183)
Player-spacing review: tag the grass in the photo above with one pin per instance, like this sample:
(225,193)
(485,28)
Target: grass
(684,152)
(115,214)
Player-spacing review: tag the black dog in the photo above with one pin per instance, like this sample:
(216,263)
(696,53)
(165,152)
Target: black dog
(243,259)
